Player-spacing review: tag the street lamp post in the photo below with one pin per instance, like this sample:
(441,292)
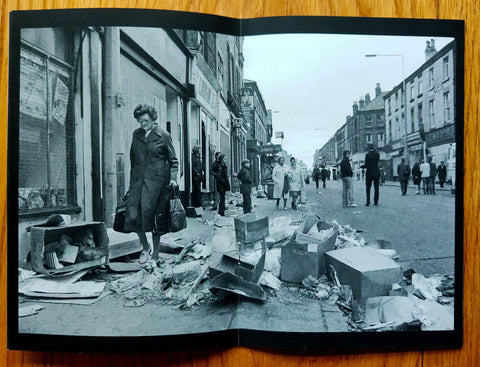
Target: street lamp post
(404,99)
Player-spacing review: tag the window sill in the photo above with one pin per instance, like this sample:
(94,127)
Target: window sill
(445,80)
(420,95)
(48,211)
(413,99)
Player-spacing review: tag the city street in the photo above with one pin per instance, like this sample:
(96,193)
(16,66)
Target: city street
(420,227)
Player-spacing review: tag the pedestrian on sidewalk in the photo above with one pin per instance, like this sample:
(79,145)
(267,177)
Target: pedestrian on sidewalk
(372,173)
(246,186)
(278,177)
(324,175)
(417,177)
(214,172)
(433,174)
(197,176)
(154,168)
(295,180)
(403,171)
(316,174)
(347,181)
(425,170)
(442,173)
(222,182)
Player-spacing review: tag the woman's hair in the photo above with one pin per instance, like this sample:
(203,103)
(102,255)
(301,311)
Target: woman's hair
(196,149)
(345,153)
(244,162)
(292,159)
(278,160)
(142,109)
(221,156)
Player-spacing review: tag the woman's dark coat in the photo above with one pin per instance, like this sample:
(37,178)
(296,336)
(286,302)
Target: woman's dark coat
(197,172)
(245,181)
(153,165)
(219,171)
(416,174)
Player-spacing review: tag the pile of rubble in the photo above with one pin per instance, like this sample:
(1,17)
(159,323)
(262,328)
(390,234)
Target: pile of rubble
(246,257)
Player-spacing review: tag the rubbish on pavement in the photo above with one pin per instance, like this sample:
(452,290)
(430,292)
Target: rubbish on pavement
(269,280)
(379,244)
(369,273)
(193,212)
(427,287)
(51,261)
(304,254)
(29,310)
(24,274)
(202,276)
(310,282)
(250,229)
(57,230)
(226,283)
(52,289)
(124,267)
(137,302)
(281,228)
(187,272)
(272,261)
(186,249)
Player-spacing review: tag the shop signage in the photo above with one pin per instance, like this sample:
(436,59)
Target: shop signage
(442,135)
(269,149)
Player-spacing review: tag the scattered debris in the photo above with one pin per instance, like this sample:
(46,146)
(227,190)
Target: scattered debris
(269,280)
(426,288)
(29,310)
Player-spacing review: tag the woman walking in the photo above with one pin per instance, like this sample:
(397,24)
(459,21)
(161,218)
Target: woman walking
(197,177)
(295,180)
(278,177)
(417,177)
(154,168)
(246,186)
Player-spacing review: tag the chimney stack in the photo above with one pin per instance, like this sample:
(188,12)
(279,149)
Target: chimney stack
(430,49)
(378,90)
(361,102)
(355,108)
(367,99)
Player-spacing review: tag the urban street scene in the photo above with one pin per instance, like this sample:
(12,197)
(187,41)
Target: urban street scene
(176,181)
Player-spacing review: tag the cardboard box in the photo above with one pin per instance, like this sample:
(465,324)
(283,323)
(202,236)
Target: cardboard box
(304,255)
(365,270)
(250,229)
(43,235)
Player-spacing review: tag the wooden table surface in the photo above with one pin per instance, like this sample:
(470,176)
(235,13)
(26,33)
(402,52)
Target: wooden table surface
(469,355)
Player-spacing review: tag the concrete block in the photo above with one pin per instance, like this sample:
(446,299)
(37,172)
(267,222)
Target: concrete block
(367,272)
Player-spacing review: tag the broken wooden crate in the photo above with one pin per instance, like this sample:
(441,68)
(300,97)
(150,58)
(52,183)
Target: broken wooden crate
(304,254)
(365,270)
(43,235)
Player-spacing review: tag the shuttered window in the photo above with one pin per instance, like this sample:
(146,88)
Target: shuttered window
(46,128)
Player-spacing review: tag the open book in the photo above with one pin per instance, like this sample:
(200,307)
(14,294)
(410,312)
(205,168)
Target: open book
(313,160)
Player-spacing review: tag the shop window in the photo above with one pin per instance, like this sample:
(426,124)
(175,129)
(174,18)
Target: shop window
(46,174)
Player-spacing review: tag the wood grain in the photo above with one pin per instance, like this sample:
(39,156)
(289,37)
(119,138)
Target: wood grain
(468,10)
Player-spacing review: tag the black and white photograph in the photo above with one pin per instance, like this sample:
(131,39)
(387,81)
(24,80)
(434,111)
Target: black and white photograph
(292,188)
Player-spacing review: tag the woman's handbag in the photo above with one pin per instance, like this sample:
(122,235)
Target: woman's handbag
(177,218)
(119,221)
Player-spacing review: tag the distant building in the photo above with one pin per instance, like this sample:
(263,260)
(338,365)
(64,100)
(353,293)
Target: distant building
(430,116)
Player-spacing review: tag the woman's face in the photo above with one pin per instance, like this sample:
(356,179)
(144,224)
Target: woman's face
(224,160)
(293,163)
(146,123)
(281,161)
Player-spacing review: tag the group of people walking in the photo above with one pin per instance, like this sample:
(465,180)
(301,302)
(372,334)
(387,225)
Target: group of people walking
(423,174)
(288,182)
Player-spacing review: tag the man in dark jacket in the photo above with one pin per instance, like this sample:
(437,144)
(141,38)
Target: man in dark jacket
(246,186)
(433,174)
(373,173)
(316,174)
(442,173)
(214,173)
(347,182)
(324,175)
(221,181)
(403,171)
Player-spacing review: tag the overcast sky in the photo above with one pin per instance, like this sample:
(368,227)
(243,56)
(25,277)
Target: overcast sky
(312,80)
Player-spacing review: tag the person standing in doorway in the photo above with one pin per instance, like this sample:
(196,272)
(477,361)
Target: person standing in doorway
(278,177)
(347,181)
(316,174)
(214,172)
(295,182)
(403,171)
(197,177)
(417,177)
(442,173)
(324,175)
(433,174)
(425,171)
(246,186)
(372,173)
(222,183)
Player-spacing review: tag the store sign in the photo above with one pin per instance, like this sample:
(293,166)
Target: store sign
(269,149)
(440,136)
(279,134)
